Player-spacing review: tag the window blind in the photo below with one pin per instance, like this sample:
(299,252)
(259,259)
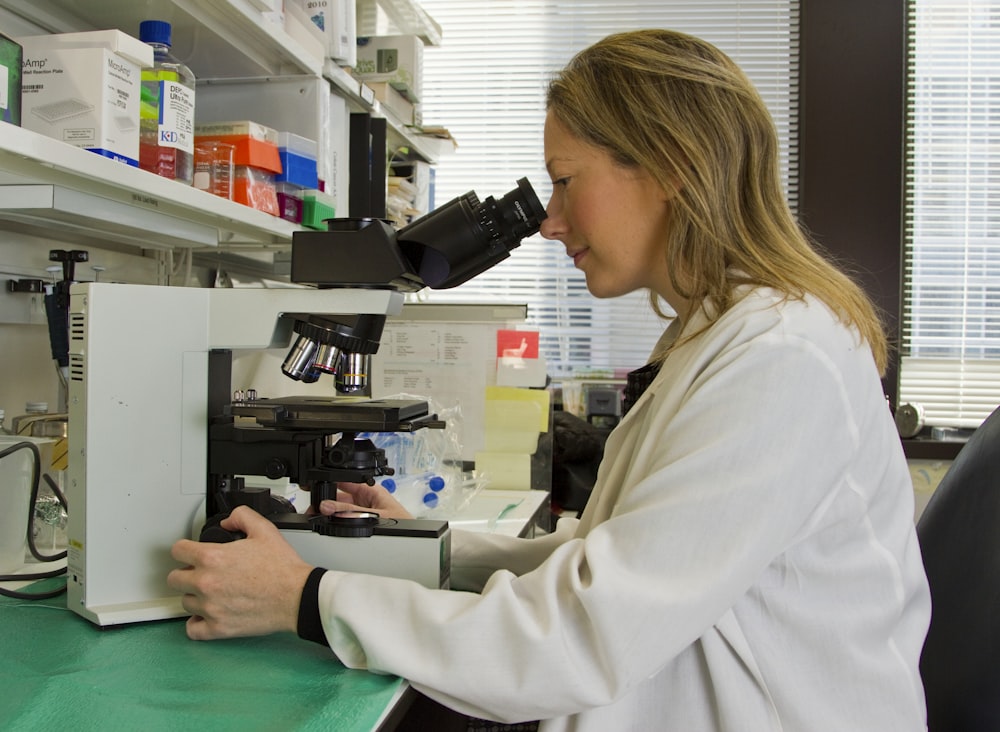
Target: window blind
(486,83)
(951,317)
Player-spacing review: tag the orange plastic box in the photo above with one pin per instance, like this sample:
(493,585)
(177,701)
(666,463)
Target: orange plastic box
(256,160)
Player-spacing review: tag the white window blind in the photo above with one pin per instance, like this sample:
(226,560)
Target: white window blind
(486,83)
(951,319)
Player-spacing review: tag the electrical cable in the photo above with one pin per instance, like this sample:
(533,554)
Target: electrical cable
(35,481)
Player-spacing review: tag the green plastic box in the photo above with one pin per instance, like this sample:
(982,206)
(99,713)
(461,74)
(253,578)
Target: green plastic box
(317,206)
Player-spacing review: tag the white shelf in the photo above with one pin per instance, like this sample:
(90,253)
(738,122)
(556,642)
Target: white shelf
(363,98)
(216,38)
(61,186)
(232,39)
(403,16)
(219,38)
(37,167)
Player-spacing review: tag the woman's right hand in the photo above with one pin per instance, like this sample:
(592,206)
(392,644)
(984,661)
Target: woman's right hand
(364,497)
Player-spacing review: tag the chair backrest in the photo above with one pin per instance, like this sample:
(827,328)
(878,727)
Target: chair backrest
(959,535)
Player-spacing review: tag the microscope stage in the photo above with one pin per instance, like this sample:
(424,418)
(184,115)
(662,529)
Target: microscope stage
(330,414)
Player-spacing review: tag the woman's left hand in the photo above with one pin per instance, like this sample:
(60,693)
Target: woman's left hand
(364,497)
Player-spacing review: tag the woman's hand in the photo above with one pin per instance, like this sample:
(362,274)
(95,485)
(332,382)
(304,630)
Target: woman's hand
(364,497)
(246,587)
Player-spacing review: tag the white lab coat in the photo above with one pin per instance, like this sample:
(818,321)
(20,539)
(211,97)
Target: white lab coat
(747,561)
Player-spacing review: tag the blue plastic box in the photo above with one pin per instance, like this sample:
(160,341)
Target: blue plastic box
(298,160)
(298,170)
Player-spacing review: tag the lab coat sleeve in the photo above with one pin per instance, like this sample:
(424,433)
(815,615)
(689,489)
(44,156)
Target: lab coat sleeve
(718,485)
(476,556)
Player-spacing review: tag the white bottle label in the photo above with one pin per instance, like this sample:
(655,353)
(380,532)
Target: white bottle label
(176,124)
(4,84)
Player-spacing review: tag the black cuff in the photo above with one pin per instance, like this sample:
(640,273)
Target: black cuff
(310,624)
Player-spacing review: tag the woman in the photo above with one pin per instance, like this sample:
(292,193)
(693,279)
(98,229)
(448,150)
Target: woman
(747,559)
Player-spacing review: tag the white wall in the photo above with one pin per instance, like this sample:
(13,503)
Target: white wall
(27,371)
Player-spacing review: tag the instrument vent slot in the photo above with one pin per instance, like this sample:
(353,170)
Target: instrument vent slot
(76,326)
(77,370)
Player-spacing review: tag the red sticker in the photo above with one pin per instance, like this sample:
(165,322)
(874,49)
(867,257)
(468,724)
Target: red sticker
(517,343)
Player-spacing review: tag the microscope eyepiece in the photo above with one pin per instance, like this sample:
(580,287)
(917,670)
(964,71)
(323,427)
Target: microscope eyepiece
(465,237)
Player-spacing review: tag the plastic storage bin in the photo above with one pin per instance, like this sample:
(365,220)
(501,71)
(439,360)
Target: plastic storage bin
(256,161)
(289,202)
(317,206)
(298,160)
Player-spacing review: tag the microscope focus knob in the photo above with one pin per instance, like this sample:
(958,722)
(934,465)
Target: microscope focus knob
(275,468)
(347,523)
(219,535)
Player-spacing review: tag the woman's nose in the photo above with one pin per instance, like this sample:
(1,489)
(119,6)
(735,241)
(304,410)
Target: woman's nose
(552,226)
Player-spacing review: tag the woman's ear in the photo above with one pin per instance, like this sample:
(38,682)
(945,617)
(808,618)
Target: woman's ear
(672,187)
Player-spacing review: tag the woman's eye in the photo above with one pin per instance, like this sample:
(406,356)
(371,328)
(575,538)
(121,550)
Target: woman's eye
(560,181)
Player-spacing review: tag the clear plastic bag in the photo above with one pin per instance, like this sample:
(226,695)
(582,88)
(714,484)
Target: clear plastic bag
(428,480)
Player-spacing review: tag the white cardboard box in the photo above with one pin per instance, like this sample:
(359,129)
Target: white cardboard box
(333,164)
(84,89)
(300,27)
(338,21)
(395,59)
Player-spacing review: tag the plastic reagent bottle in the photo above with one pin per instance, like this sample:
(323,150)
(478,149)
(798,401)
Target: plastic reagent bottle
(166,109)
(428,484)
(428,480)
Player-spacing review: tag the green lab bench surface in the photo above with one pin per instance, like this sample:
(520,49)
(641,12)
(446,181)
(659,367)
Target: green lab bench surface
(59,671)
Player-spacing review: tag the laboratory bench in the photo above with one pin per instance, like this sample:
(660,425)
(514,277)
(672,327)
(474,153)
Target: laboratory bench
(60,671)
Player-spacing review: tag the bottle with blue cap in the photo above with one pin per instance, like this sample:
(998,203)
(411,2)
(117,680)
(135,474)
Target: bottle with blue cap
(166,110)
(417,493)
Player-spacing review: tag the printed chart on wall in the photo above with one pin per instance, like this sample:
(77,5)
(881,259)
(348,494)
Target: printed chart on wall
(450,364)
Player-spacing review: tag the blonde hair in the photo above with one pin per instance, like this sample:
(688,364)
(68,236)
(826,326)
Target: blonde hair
(683,111)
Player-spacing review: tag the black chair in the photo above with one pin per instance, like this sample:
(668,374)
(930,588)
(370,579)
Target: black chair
(959,533)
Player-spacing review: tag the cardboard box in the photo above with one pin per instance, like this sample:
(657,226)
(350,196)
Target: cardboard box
(307,34)
(84,89)
(119,43)
(334,158)
(337,19)
(10,80)
(396,59)
(421,176)
(398,105)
